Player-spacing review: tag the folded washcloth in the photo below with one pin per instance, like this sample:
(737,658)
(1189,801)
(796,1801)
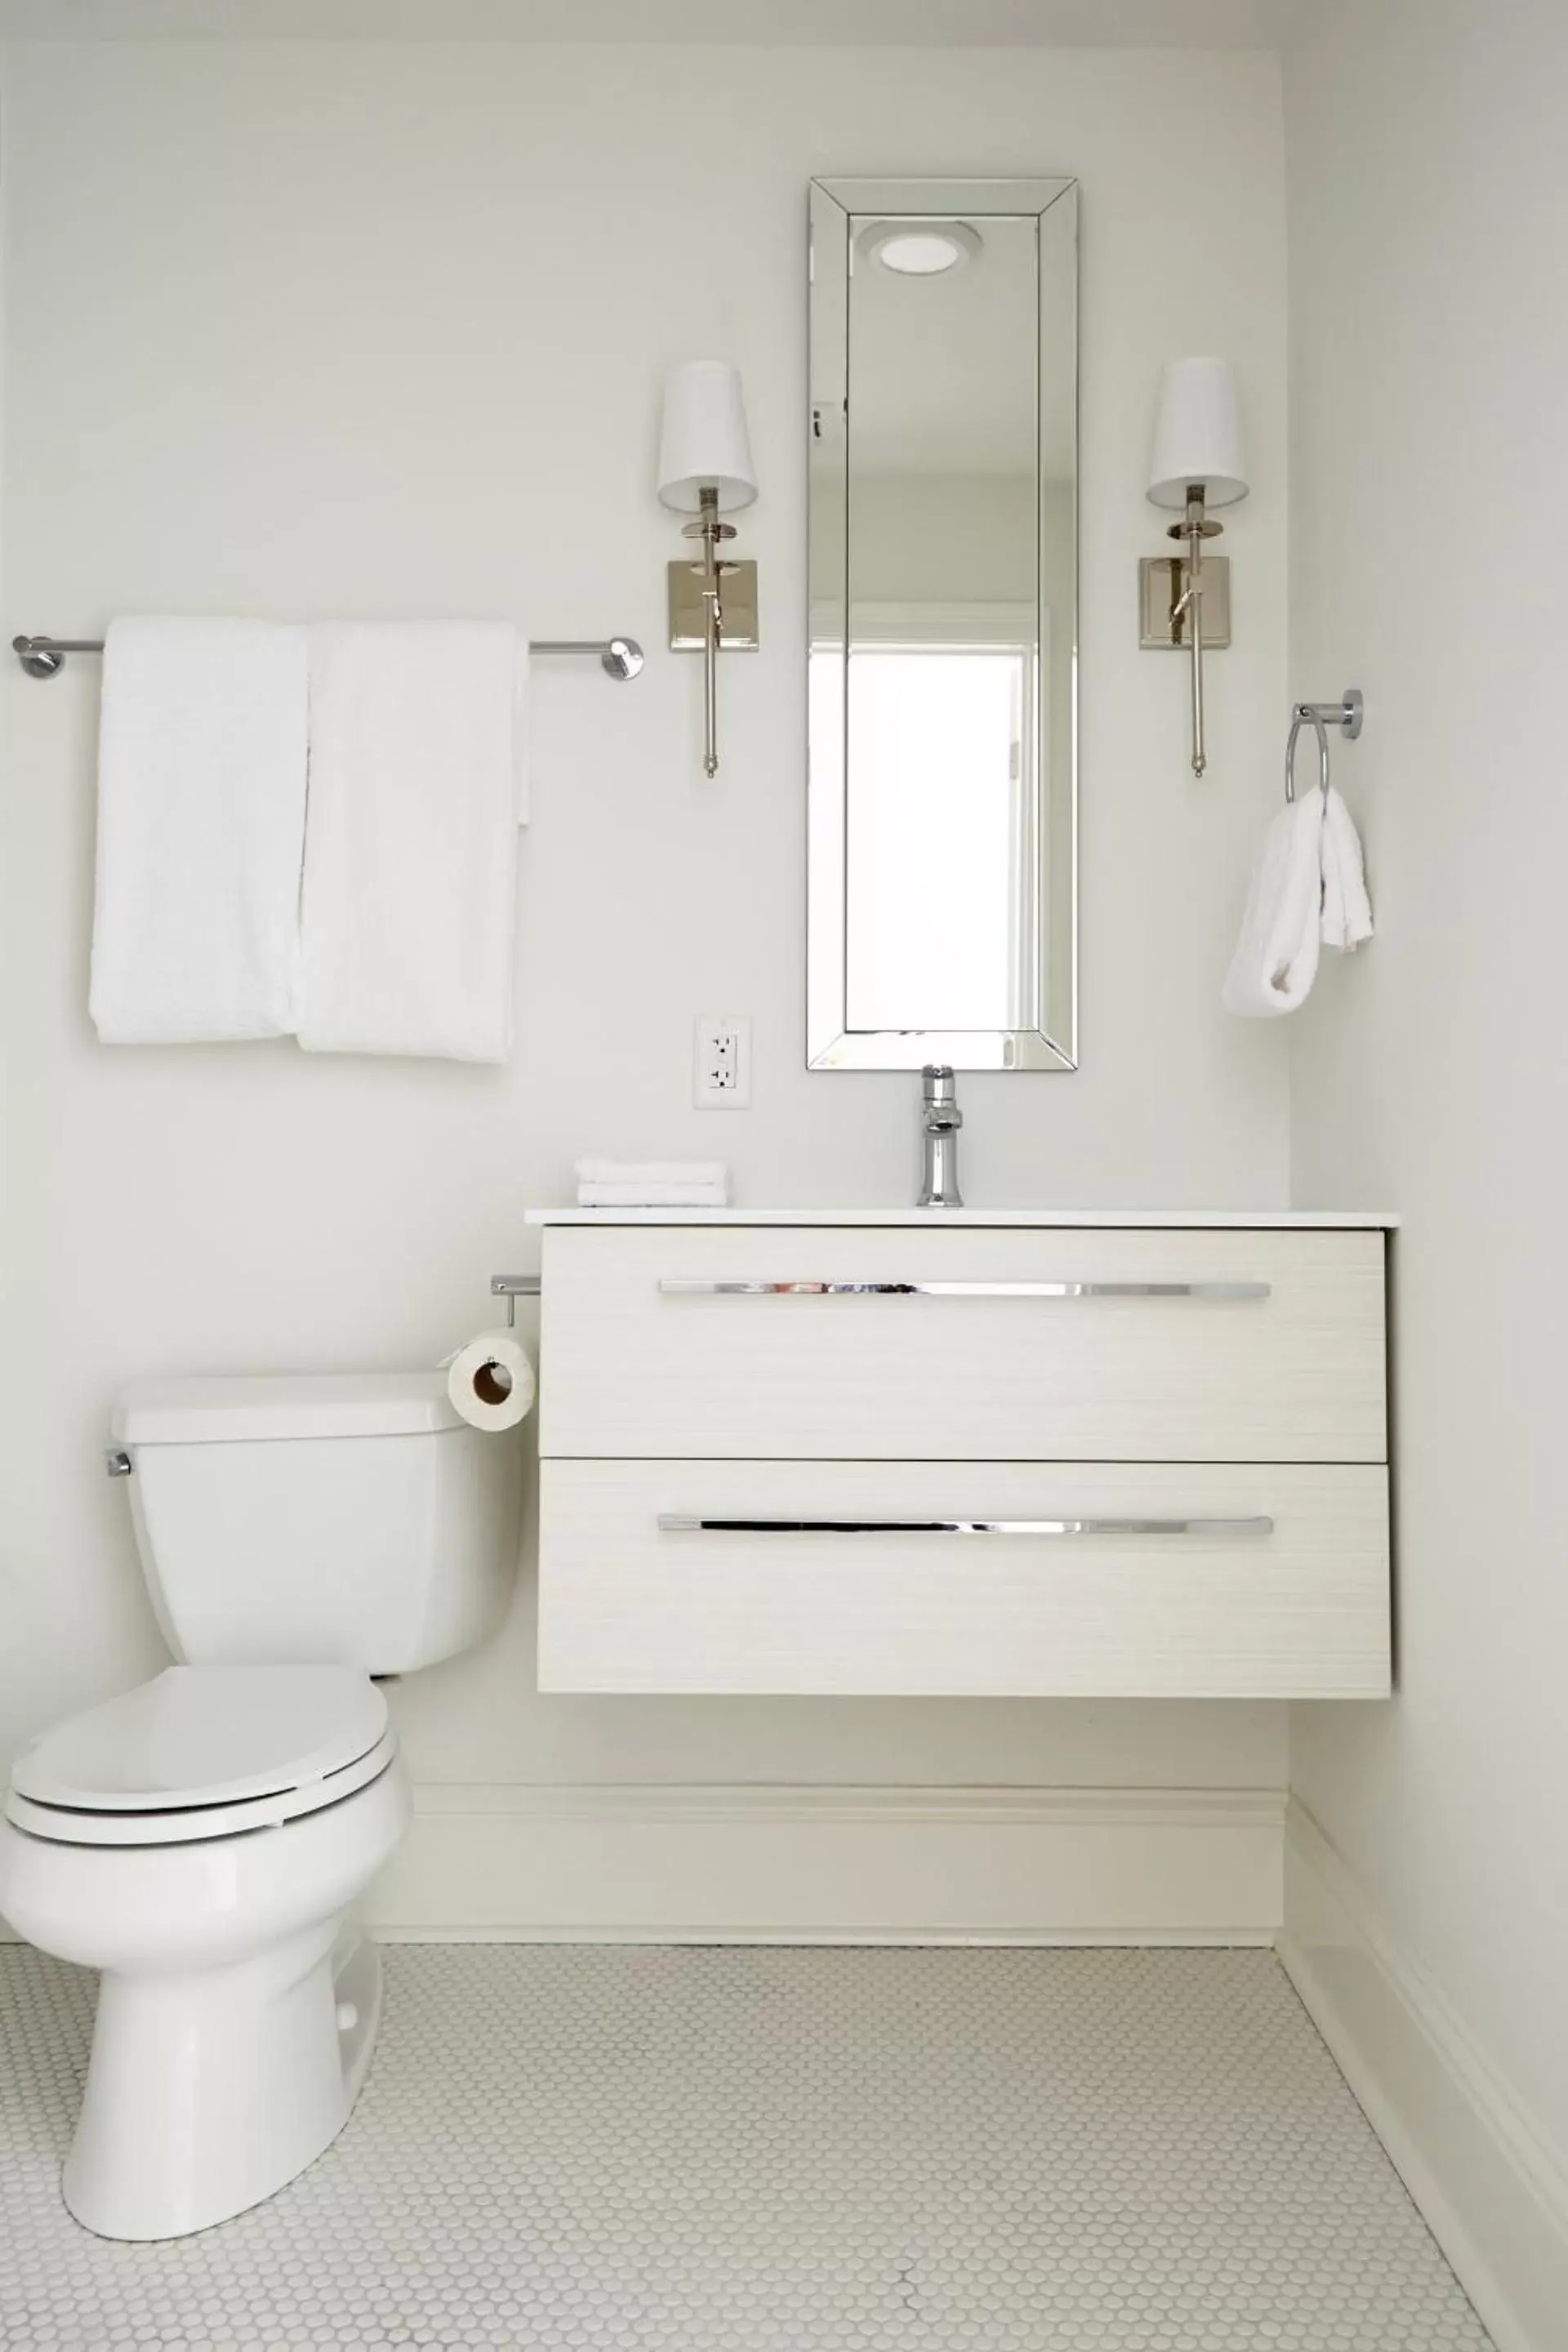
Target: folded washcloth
(653,1196)
(652,1184)
(1307,888)
(201,821)
(411,839)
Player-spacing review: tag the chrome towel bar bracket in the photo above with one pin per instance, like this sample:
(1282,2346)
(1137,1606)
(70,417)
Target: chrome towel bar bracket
(619,658)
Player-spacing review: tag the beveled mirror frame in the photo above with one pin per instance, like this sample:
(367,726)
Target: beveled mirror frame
(836,206)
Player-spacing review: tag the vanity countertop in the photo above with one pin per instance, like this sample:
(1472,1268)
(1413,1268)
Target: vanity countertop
(1145,1219)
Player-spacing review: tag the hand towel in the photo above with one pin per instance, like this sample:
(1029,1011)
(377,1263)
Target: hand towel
(411,839)
(652,1184)
(1347,909)
(1308,887)
(200,820)
(1276,959)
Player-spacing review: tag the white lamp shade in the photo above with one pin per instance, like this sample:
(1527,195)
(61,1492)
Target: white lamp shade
(704,445)
(1197,435)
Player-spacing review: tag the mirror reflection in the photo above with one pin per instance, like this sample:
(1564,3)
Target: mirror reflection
(942,625)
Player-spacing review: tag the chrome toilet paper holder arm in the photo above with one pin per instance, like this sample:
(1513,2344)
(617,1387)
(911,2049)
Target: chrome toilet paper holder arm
(511,1287)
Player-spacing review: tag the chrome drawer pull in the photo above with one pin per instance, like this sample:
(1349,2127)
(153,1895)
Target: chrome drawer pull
(682,1523)
(680,1287)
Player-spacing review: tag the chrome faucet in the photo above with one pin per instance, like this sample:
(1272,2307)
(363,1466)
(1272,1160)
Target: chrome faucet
(940,1123)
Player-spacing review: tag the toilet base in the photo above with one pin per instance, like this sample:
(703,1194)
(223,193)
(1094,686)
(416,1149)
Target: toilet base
(209,2089)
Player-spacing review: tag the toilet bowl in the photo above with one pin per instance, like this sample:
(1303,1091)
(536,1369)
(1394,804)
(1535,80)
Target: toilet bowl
(200,1841)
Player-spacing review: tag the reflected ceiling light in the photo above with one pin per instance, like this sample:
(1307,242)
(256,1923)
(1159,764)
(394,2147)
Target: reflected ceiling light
(917,248)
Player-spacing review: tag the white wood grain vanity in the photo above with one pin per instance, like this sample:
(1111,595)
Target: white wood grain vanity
(1123,1454)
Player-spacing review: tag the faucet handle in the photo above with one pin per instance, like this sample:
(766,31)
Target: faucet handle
(940,1089)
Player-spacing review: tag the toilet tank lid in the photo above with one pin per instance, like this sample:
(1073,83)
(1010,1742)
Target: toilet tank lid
(234,1409)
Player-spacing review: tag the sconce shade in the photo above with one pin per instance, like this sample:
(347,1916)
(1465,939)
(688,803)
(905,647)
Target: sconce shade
(1197,435)
(704,445)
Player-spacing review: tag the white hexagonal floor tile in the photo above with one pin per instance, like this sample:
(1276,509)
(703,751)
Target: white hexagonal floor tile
(770,2150)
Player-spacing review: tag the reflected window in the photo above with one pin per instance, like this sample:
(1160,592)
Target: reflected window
(937,838)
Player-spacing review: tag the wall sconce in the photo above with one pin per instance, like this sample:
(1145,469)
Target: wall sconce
(1198,462)
(705,463)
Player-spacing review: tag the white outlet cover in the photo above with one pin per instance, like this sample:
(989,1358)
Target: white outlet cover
(720,1048)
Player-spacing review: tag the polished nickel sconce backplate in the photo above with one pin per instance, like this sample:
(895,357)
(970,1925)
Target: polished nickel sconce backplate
(1166,612)
(737,608)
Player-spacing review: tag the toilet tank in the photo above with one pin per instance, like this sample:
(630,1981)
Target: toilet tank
(344,1519)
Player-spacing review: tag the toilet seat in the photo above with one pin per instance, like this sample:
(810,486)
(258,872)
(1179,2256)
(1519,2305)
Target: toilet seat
(204,1752)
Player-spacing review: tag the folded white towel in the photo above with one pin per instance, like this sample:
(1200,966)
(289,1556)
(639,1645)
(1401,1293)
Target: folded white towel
(652,1171)
(201,818)
(653,1196)
(1307,888)
(411,839)
(653,1184)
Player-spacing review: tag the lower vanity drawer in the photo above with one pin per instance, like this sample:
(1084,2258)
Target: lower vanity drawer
(1130,1579)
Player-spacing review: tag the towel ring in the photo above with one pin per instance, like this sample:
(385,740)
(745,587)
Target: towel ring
(1347,714)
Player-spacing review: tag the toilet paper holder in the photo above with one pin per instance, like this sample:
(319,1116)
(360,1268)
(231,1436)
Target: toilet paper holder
(511,1287)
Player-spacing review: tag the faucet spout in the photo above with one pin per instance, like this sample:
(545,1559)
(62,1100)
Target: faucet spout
(940,1123)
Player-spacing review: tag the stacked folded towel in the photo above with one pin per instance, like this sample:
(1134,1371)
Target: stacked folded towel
(1307,890)
(652,1184)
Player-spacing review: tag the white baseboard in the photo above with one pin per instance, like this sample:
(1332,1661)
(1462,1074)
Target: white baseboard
(835,1865)
(1493,2193)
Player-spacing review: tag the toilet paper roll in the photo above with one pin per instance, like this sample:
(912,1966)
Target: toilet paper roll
(490,1382)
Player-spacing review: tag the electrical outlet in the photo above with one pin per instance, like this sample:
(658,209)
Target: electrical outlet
(722,1064)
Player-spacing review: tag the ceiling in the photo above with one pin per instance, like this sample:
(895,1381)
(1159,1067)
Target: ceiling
(958,24)
(942,369)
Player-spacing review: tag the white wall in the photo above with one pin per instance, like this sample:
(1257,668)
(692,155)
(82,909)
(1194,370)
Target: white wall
(378,330)
(1429,384)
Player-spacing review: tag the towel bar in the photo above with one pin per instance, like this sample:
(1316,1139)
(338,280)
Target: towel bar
(620,657)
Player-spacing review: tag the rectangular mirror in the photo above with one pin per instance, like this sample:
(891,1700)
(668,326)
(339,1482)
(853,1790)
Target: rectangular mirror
(943,655)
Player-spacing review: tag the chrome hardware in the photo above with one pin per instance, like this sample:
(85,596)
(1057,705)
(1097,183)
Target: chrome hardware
(939,1130)
(1168,613)
(511,1287)
(1347,714)
(682,1523)
(680,1288)
(1194,528)
(712,610)
(619,658)
(117,1463)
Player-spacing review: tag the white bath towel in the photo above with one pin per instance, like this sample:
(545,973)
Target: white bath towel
(1307,890)
(201,817)
(652,1184)
(411,839)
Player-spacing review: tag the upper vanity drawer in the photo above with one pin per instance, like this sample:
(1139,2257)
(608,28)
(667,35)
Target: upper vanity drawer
(981,1344)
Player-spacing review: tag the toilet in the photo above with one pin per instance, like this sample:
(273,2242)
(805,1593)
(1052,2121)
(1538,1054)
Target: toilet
(201,1840)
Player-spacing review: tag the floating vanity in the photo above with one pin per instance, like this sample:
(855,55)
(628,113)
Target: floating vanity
(1097,1455)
